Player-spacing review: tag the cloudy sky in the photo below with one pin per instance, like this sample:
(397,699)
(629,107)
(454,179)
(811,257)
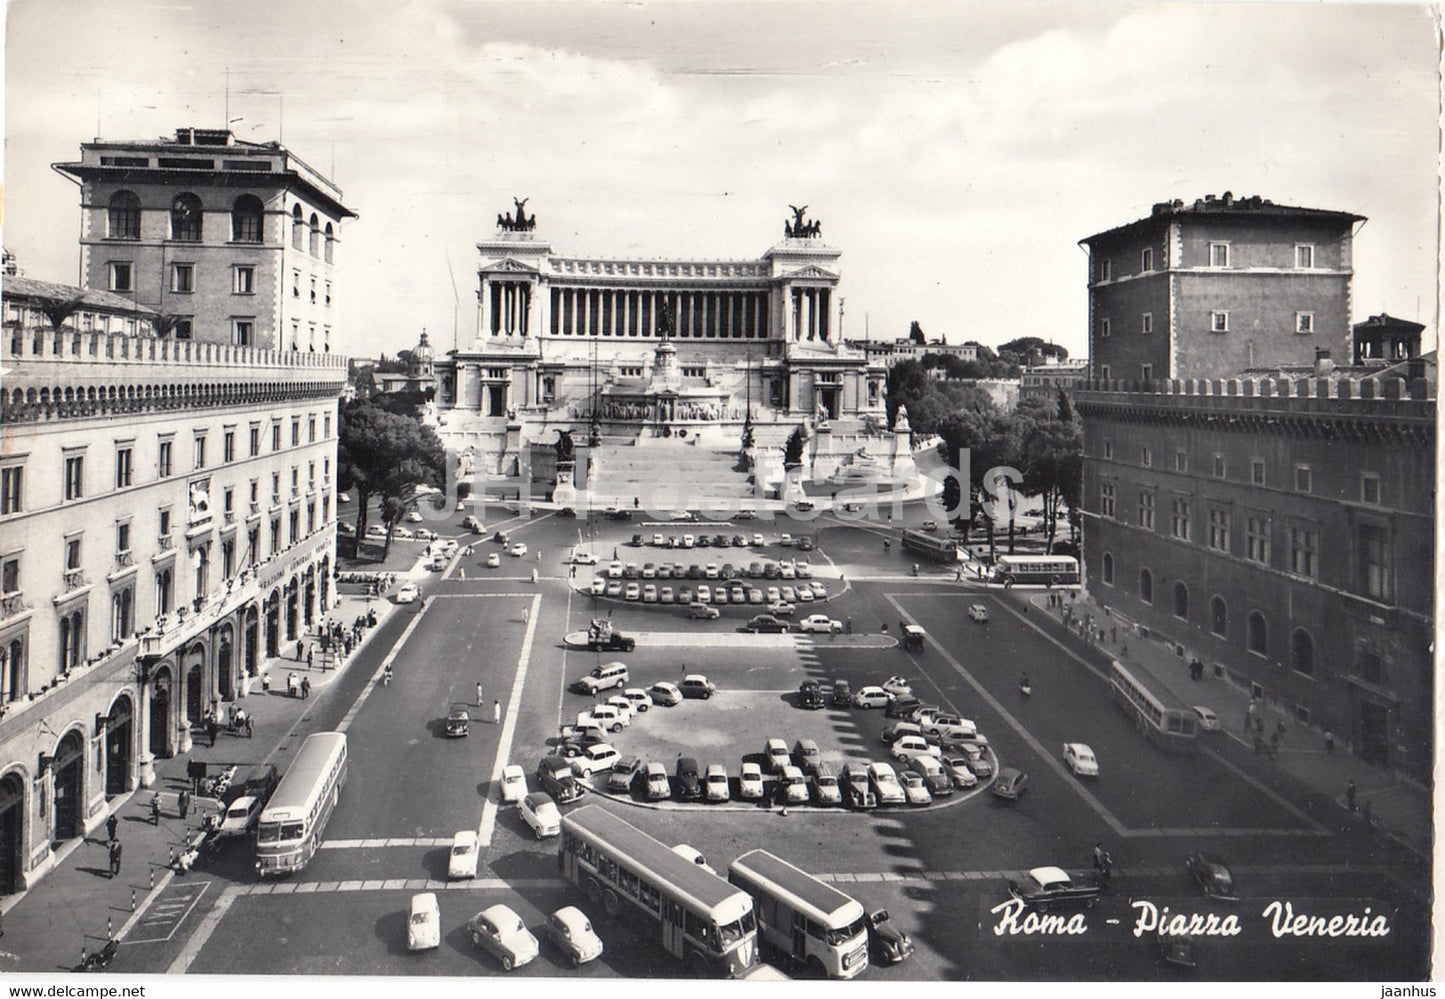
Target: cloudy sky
(956,153)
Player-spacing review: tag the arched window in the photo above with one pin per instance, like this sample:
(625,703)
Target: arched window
(16,678)
(330,244)
(246,219)
(72,641)
(1302,651)
(1258,633)
(1181,601)
(1107,569)
(163,591)
(124,215)
(315,235)
(186,218)
(1146,586)
(298,224)
(1218,616)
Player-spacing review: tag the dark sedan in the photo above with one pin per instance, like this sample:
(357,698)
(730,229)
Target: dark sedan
(1212,876)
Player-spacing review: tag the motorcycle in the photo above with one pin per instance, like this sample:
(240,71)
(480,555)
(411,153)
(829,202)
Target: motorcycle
(386,677)
(101,959)
(1025,687)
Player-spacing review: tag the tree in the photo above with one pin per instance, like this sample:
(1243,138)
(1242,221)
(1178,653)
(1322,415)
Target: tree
(915,333)
(386,455)
(58,310)
(1021,350)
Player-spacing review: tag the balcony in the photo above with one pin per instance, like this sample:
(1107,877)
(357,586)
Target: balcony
(255,509)
(125,559)
(165,542)
(74,579)
(295,492)
(12,604)
(230,516)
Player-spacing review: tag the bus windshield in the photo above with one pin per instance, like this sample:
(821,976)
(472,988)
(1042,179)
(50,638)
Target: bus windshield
(842,935)
(277,832)
(730,933)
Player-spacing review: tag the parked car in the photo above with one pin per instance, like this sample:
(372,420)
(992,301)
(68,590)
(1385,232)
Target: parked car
(781,608)
(959,771)
(1212,876)
(665,693)
(776,752)
(623,773)
(695,685)
(402,534)
(595,759)
(842,694)
(639,699)
(915,790)
(605,715)
(857,788)
(937,779)
(886,943)
(1208,720)
(462,861)
(345,528)
(1051,887)
(944,726)
(898,730)
(810,694)
(556,776)
(500,932)
(750,782)
(571,931)
(1009,784)
(655,786)
(806,755)
(911,746)
(240,817)
(884,783)
(494,561)
(792,787)
(624,707)
(820,623)
(632,591)
(702,612)
(1080,759)
(870,697)
(910,708)
(514,783)
(976,756)
(601,677)
(823,786)
(581,556)
(424,922)
(897,686)
(689,779)
(715,782)
(766,623)
(540,812)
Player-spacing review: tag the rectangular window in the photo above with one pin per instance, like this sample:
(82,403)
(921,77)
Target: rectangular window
(1146,457)
(1219,466)
(243,332)
(122,537)
(295,431)
(185,327)
(276,436)
(11,497)
(229,505)
(1179,519)
(1146,322)
(328,294)
(1375,564)
(295,333)
(10,575)
(1369,488)
(1256,471)
(74,476)
(200,452)
(120,277)
(1181,461)
(293,527)
(1146,259)
(163,518)
(275,535)
(124,465)
(1302,479)
(1304,322)
(313,290)
(1106,499)
(1146,371)
(1256,535)
(72,554)
(295,284)
(326,427)
(1104,372)
(1304,255)
(228,447)
(275,487)
(1303,552)
(163,460)
(1218,254)
(1108,449)
(311,429)
(1219,529)
(1106,269)
(1219,322)
(1104,327)
(255,491)
(183,278)
(255,440)
(1146,510)
(243,279)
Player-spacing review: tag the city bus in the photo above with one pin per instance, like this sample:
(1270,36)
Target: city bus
(294,820)
(931,548)
(704,922)
(1161,717)
(1059,570)
(812,922)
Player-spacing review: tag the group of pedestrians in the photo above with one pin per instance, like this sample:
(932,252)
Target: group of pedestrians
(112,847)
(1103,863)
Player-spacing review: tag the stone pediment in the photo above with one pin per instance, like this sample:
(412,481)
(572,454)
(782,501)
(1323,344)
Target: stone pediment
(509,265)
(813,271)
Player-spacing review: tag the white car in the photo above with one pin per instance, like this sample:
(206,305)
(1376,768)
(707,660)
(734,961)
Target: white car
(885,784)
(781,608)
(572,932)
(665,693)
(423,534)
(376,531)
(402,534)
(786,570)
(605,716)
(910,746)
(413,517)
(500,931)
(614,570)
(758,540)
(518,550)
(494,561)
(1208,720)
(715,782)
(623,704)
(540,812)
(792,786)
(750,782)
(776,752)
(820,623)
(514,783)
(978,612)
(462,863)
(915,790)
(786,540)
(424,924)
(408,594)
(632,592)
(1080,759)
(599,585)
(240,818)
(638,698)
(871,697)
(581,556)
(595,759)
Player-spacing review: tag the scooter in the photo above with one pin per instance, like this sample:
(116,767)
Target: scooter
(100,960)
(1025,687)
(386,677)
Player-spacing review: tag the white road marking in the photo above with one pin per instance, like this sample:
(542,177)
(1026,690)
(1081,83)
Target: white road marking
(203,932)
(509,725)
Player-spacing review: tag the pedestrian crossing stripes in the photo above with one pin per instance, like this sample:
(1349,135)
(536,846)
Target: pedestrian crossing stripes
(377,843)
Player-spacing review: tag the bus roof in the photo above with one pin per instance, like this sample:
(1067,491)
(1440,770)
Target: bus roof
(826,902)
(704,890)
(313,759)
(1155,689)
(1035,559)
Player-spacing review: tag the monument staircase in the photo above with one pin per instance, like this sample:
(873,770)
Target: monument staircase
(664,474)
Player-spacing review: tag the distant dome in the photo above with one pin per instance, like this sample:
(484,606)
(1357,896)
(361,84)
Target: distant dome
(421,357)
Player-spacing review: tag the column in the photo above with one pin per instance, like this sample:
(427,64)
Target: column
(805,318)
(706,313)
(824,314)
(484,320)
(586,311)
(529,313)
(790,328)
(627,313)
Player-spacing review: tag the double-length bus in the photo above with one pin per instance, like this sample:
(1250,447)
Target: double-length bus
(1058,570)
(932,548)
(703,921)
(294,820)
(1161,717)
(815,924)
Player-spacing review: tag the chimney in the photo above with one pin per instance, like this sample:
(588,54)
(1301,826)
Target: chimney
(1323,364)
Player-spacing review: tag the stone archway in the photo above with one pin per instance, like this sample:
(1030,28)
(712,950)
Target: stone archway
(273,625)
(119,746)
(68,787)
(194,667)
(12,832)
(160,713)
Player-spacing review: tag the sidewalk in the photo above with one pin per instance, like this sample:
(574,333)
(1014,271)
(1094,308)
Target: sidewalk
(1402,809)
(76,904)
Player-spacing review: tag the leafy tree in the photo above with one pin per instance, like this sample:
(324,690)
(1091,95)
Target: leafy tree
(1052,460)
(1021,350)
(58,310)
(915,333)
(387,455)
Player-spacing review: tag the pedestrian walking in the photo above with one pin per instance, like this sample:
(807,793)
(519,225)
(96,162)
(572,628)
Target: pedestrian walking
(526,613)
(848,626)
(300,650)
(1350,796)
(250,727)
(213,729)
(310,657)
(305,687)
(111,825)
(496,712)
(156,809)
(266,683)
(1099,857)
(183,803)
(1106,867)
(479,695)
(462,572)
(115,850)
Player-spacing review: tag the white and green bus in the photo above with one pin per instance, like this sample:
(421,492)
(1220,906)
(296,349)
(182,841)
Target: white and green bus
(815,924)
(704,922)
(293,821)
